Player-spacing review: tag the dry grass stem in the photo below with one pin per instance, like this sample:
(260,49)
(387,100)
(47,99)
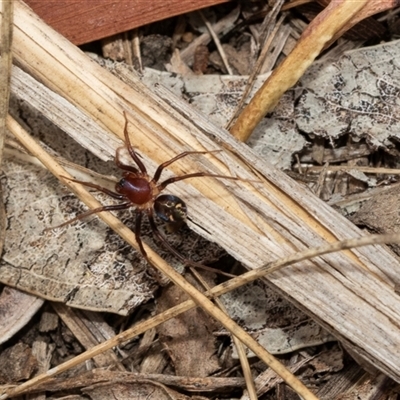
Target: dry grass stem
(271,31)
(241,351)
(6,29)
(217,43)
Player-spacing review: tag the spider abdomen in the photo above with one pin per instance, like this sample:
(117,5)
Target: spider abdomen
(136,189)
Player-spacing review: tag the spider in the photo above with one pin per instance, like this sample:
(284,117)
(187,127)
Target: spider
(137,189)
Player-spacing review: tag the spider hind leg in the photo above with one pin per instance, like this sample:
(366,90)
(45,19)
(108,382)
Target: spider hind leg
(157,233)
(114,207)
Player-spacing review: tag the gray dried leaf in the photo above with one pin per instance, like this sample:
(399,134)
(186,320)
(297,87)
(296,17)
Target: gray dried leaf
(82,265)
(278,326)
(188,338)
(359,94)
(16,310)
(17,363)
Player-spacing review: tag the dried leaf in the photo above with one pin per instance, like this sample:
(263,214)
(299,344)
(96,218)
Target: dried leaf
(357,94)
(87,268)
(16,310)
(274,322)
(188,338)
(17,363)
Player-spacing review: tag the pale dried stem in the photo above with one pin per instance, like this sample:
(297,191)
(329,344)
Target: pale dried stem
(257,67)
(6,28)
(240,349)
(217,43)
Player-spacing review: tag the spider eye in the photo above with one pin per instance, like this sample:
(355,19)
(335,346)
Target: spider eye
(170,208)
(120,185)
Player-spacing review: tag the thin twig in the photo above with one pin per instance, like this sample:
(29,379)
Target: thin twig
(136,50)
(241,351)
(257,67)
(217,43)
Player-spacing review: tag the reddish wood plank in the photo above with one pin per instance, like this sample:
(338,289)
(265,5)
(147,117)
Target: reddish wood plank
(82,21)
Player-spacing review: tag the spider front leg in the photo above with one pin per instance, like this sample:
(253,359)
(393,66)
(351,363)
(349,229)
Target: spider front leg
(131,150)
(123,166)
(165,164)
(167,182)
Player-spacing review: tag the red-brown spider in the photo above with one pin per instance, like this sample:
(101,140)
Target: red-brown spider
(143,192)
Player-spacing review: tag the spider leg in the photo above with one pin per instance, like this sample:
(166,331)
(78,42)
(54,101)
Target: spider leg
(131,150)
(123,166)
(157,233)
(161,167)
(167,182)
(138,225)
(99,188)
(113,207)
